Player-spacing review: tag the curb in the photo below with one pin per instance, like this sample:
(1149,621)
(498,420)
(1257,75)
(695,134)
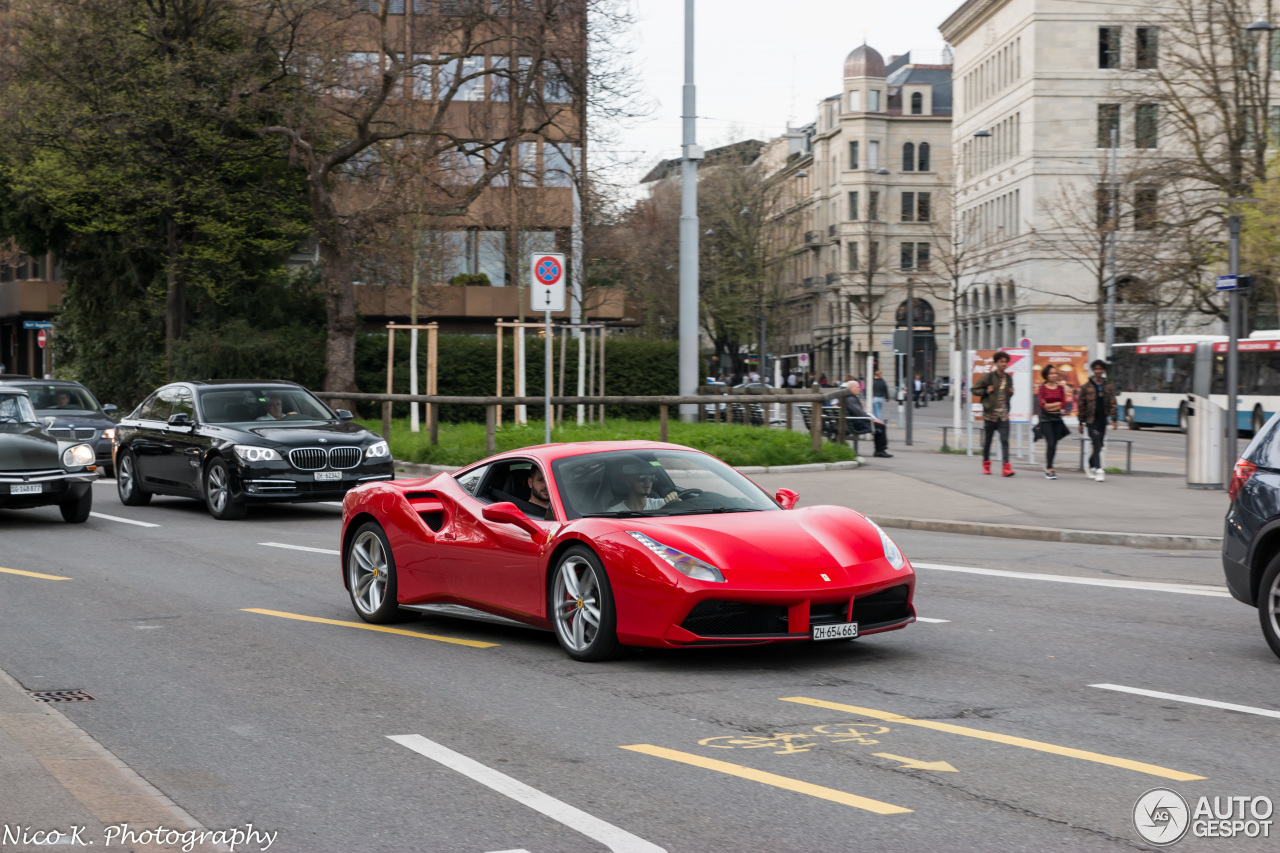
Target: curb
(1159,541)
(415,470)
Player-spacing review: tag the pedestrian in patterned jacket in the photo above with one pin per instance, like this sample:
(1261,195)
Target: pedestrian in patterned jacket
(1097,407)
(994,391)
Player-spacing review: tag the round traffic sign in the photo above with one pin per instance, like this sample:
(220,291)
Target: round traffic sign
(40,338)
(548,270)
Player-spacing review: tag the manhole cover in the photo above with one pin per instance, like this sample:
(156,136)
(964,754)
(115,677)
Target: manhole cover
(60,695)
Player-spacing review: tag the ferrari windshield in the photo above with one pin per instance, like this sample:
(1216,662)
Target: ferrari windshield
(635,483)
(16,409)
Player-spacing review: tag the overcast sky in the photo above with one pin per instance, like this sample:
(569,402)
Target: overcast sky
(760,63)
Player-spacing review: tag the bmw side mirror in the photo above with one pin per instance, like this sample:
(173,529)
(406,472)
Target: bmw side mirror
(787,499)
(110,408)
(182,420)
(344,415)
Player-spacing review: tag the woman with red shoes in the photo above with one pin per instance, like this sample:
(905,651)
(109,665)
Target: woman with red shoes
(994,390)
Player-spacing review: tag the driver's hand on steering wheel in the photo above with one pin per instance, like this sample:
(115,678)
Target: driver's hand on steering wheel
(672,496)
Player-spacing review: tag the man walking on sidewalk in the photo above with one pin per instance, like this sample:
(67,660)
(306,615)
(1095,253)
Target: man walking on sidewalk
(995,389)
(1097,406)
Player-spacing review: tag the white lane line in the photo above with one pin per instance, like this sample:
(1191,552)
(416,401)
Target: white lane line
(299,548)
(933,621)
(122,520)
(1211,703)
(331,503)
(1150,586)
(617,840)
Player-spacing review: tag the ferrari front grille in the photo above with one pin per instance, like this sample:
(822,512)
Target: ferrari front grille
(835,613)
(735,619)
(889,605)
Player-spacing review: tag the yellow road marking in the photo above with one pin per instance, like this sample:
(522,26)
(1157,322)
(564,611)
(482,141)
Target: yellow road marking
(770,779)
(1141,767)
(917,764)
(36,575)
(475,644)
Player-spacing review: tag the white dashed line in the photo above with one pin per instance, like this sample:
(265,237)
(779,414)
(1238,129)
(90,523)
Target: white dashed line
(931,621)
(1211,703)
(122,520)
(330,503)
(1149,586)
(617,840)
(299,548)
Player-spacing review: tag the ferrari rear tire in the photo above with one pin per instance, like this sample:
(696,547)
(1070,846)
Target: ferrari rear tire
(1269,605)
(581,606)
(129,484)
(371,576)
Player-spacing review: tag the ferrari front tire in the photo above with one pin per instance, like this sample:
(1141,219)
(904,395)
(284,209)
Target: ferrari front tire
(371,576)
(1269,605)
(581,606)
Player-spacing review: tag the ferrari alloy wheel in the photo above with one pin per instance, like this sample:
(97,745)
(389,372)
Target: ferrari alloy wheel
(217,493)
(1269,605)
(128,484)
(581,607)
(371,576)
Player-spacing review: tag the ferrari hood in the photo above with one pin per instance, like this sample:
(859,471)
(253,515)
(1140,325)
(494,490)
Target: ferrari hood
(814,538)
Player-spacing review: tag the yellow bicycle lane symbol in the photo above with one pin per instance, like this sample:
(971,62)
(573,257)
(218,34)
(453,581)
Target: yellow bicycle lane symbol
(793,743)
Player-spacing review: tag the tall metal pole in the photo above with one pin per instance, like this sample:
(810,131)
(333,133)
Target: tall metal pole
(547,388)
(575,307)
(911,356)
(1233,332)
(1113,223)
(689,228)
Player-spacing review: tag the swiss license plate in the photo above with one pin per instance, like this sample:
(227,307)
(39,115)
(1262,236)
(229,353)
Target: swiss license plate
(835,632)
(328,475)
(26,489)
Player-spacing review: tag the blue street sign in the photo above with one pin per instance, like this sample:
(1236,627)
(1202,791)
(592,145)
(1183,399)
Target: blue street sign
(37,324)
(1227,282)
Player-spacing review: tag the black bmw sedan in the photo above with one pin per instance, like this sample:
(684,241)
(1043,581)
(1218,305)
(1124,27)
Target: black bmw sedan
(232,444)
(36,469)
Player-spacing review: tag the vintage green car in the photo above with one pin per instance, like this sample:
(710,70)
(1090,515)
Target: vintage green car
(37,469)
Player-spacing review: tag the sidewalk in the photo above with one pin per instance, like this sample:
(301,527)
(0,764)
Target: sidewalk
(62,789)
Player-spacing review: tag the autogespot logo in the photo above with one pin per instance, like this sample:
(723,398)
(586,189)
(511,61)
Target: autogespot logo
(1161,816)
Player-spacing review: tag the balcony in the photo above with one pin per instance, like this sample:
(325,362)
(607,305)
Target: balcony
(813,238)
(832,229)
(833,277)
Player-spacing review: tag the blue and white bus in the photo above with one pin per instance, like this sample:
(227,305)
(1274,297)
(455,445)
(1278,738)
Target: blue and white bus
(1153,379)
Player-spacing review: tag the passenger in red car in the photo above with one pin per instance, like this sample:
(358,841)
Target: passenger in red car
(639,483)
(540,494)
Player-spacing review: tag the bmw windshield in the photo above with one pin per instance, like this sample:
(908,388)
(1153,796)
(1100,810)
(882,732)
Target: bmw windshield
(642,483)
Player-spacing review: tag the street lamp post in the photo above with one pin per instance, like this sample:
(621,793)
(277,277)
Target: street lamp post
(689,156)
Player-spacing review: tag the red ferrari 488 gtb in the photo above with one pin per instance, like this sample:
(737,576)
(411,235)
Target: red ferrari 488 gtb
(613,544)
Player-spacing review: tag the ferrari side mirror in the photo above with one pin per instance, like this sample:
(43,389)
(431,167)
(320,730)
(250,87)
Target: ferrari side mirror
(786,498)
(508,513)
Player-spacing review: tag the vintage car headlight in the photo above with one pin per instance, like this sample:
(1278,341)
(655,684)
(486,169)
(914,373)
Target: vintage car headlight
(377,450)
(250,453)
(699,570)
(891,552)
(78,456)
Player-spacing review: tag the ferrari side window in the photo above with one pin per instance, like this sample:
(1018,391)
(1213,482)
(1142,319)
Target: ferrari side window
(470,481)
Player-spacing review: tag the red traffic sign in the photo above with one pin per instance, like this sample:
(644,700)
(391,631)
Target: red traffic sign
(548,269)
(40,338)
(547,292)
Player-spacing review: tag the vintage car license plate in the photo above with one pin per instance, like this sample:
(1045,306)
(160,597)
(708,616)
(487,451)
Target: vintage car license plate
(328,475)
(26,489)
(835,632)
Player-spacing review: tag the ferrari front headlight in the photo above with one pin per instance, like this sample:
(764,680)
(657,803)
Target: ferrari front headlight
(78,456)
(686,564)
(891,552)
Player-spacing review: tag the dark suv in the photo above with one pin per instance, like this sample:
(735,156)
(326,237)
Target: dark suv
(70,412)
(1251,540)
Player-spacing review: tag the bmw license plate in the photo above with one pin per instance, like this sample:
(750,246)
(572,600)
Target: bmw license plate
(835,632)
(328,475)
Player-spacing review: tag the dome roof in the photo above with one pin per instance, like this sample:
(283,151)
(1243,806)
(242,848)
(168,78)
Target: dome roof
(864,61)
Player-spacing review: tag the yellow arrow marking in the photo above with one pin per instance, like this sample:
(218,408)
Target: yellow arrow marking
(917,764)
(1040,746)
(36,575)
(475,644)
(770,779)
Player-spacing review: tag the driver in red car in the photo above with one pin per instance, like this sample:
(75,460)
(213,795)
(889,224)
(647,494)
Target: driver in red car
(540,496)
(639,479)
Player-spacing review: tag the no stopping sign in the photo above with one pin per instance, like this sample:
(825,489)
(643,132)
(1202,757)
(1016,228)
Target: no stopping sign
(547,287)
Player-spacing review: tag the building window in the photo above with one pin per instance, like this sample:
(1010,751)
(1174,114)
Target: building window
(908,256)
(914,256)
(853,207)
(873,101)
(1108,47)
(1144,126)
(923,157)
(853,155)
(908,207)
(1108,120)
(873,256)
(908,157)
(855,102)
(1102,197)
(1145,212)
(922,207)
(467,74)
(1148,47)
(556,167)
(852,252)
(873,205)
(922,256)
(873,155)
(917,103)
(421,77)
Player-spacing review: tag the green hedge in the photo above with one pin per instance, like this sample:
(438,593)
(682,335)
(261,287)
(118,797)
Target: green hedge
(468,365)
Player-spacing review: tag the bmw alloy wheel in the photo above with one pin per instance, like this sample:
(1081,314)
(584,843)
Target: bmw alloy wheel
(367,573)
(219,493)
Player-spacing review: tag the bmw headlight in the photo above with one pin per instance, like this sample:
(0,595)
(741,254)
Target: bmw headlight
(78,456)
(891,552)
(699,570)
(250,453)
(377,450)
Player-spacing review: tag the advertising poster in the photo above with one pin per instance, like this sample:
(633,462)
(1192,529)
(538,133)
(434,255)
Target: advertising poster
(1020,405)
(1073,365)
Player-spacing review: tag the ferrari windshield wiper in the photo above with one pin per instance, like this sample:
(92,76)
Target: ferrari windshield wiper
(623,513)
(718,509)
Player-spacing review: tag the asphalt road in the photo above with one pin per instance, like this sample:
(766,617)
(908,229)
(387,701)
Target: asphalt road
(243,716)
